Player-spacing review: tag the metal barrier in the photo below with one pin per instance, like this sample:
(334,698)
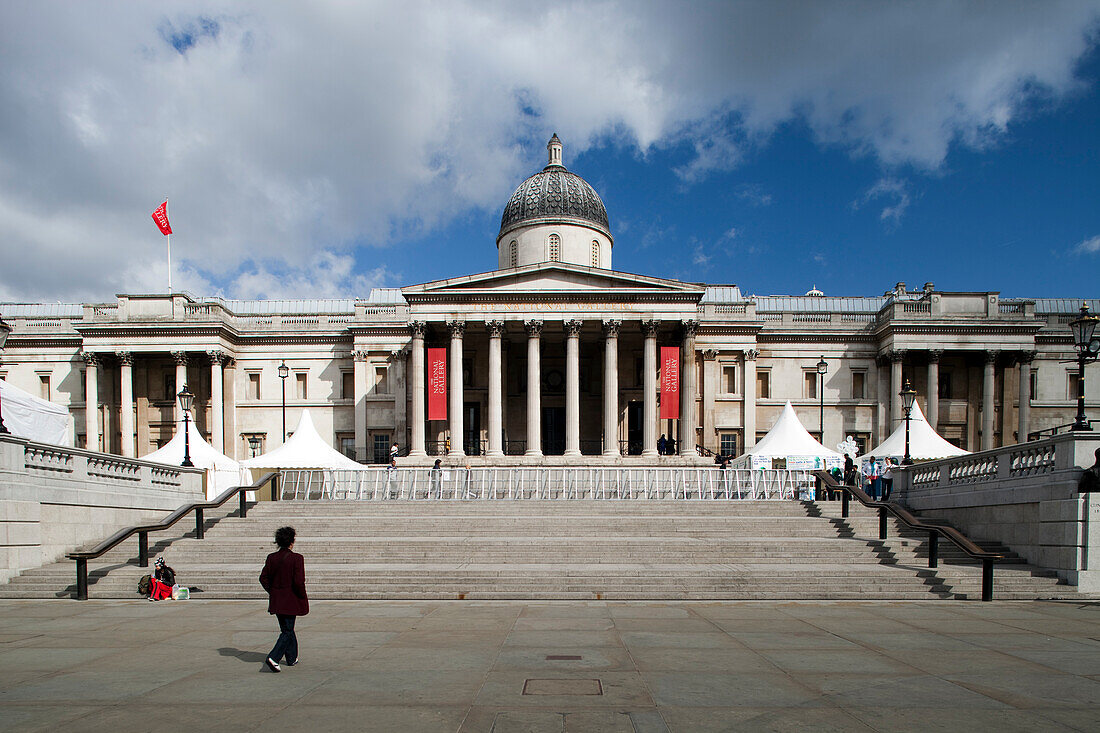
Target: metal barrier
(544,482)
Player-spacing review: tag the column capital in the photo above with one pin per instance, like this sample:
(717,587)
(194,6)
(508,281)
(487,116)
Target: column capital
(533,328)
(418,329)
(126,358)
(90,358)
(218,357)
(611,327)
(690,326)
(573,327)
(710,354)
(991,356)
(399,354)
(360,355)
(896,355)
(1026,357)
(649,328)
(458,328)
(495,328)
(751,354)
(934,355)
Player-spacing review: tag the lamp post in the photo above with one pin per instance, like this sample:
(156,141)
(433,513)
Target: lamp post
(284,372)
(908,394)
(254,444)
(822,368)
(1088,347)
(5,329)
(186,400)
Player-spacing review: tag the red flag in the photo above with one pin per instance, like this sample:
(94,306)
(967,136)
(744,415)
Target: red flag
(437,384)
(160,216)
(670,382)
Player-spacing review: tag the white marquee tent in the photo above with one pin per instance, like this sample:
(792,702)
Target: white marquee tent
(222,471)
(925,443)
(33,418)
(789,440)
(304,449)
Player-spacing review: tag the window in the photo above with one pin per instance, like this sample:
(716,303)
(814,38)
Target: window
(763,385)
(347,385)
(513,253)
(555,248)
(1033,388)
(727,444)
(44,386)
(300,385)
(1074,385)
(729,380)
(345,443)
(381,445)
(169,386)
(859,385)
(946,392)
(809,382)
(381,381)
(83,388)
(595,253)
(253,385)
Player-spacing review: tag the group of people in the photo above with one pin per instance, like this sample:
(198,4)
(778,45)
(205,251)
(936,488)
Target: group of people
(878,475)
(666,446)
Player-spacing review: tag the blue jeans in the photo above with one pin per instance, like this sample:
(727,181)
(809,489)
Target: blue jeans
(287,643)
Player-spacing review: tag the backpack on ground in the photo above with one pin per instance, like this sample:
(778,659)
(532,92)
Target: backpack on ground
(143,585)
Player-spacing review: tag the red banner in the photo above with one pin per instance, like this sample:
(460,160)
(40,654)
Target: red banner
(670,382)
(437,384)
(160,216)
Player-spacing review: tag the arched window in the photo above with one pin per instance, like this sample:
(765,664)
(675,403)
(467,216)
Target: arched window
(555,248)
(514,253)
(595,253)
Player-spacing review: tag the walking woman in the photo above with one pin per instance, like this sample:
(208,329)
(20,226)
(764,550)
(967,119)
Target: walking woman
(284,579)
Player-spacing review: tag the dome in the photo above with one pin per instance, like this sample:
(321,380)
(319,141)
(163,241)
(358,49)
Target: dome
(554,195)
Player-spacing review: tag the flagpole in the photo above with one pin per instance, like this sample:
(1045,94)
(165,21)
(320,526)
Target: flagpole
(168,238)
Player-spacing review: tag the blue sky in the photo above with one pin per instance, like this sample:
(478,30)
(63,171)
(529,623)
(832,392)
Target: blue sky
(321,149)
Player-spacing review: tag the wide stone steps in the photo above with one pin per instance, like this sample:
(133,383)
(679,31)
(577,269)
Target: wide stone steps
(556,550)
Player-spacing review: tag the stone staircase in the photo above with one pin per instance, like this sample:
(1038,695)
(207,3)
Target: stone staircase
(558,549)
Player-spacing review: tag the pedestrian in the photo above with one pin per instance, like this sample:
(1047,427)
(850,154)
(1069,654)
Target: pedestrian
(284,579)
(1090,477)
(435,486)
(662,444)
(670,446)
(887,479)
(849,470)
(394,451)
(162,580)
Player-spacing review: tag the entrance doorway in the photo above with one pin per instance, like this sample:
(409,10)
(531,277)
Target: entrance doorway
(635,416)
(553,431)
(471,428)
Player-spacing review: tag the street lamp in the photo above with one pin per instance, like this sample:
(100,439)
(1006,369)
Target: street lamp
(186,400)
(908,394)
(5,329)
(1088,346)
(254,444)
(284,372)
(822,368)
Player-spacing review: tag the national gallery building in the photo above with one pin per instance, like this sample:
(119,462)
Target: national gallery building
(551,356)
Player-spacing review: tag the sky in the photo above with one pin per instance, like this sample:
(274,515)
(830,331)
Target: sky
(321,149)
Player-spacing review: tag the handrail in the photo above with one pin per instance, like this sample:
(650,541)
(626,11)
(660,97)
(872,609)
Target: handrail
(934,529)
(143,530)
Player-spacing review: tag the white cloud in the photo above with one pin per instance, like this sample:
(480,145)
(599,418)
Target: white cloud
(895,191)
(730,233)
(1089,246)
(289,133)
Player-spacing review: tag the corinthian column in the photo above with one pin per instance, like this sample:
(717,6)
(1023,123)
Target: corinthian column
(496,389)
(896,358)
(649,385)
(687,390)
(987,399)
(458,328)
(611,387)
(181,382)
(359,395)
(933,415)
(126,408)
(91,400)
(217,408)
(416,447)
(534,388)
(573,388)
(750,398)
(1023,423)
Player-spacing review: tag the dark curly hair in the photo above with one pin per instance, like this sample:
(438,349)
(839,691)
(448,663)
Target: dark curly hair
(284,537)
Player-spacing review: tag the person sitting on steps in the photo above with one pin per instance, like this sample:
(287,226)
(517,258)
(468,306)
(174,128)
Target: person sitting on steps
(160,585)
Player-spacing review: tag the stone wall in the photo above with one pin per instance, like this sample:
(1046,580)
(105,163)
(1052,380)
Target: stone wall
(55,499)
(1022,495)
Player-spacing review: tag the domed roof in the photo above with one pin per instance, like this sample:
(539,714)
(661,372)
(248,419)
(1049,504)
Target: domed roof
(554,195)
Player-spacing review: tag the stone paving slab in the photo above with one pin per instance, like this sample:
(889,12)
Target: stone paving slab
(499,667)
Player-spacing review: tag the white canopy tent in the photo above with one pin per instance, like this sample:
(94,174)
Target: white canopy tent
(925,443)
(33,418)
(304,449)
(222,471)
(790,441)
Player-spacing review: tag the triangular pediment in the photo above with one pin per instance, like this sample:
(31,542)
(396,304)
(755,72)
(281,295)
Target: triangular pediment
(552,278)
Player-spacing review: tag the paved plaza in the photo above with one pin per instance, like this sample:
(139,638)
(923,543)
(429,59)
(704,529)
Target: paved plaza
(553,666)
